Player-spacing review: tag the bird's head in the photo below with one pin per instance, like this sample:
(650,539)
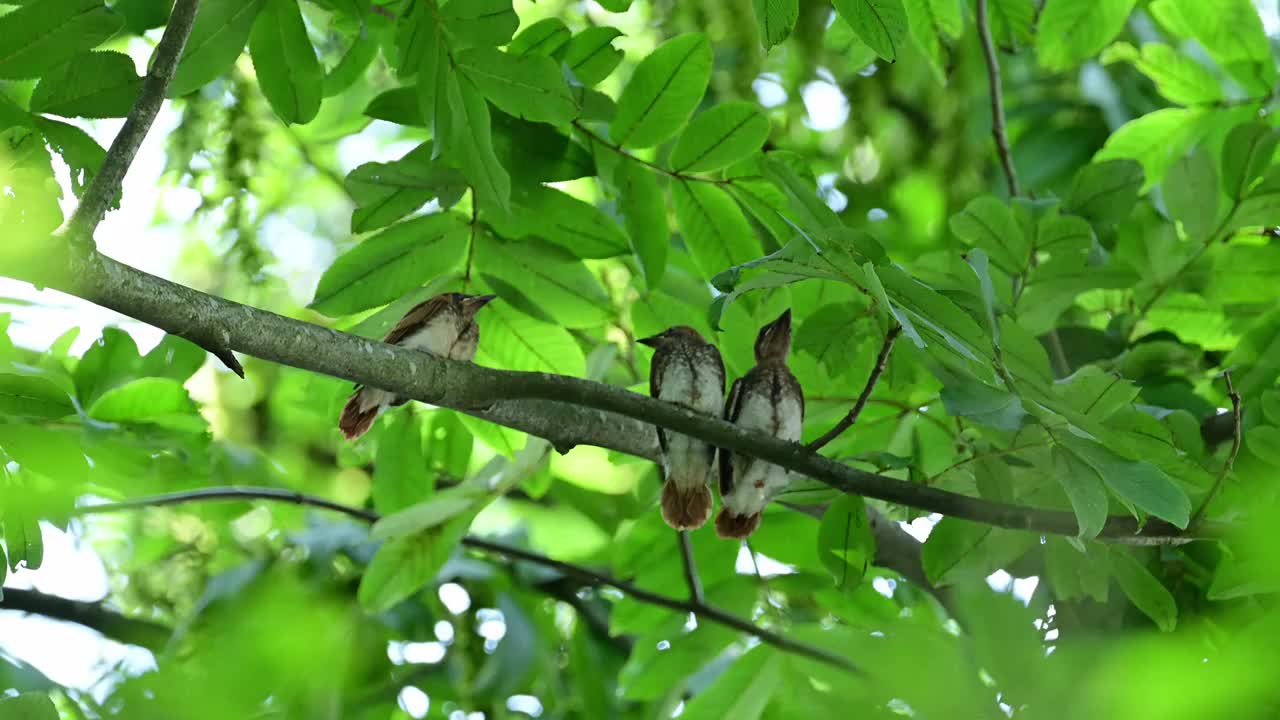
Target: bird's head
(773,344)
(469,305)
(679,333)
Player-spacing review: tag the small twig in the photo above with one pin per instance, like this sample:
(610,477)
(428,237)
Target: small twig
(876,371)
(1231,456)
(471,242)
(997,99)
(690,567)
(106,183)
(699,608)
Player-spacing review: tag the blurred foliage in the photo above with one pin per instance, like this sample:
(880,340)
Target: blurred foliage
(610,169)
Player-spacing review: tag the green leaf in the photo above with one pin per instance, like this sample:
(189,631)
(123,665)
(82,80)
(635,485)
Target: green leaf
(775,19)
(154,400)
(92,84)
(1012,21)
(1264,441)
(33,396)
(960,550)
(558,217)
(644,210)
(285,63)
(663,92)
(112,360)
(845,542)
(1140,483)
(399,106)
(1231,31)
(1071,31)
(1177,77)
(1246,155)
(720,137)
(417,38)
(1155,140)
(543,281)
(404,565)
(480,22)
(1105,192)
(712,226)
(591,56)
(400,469)
(988,223)
(1260,206)
(882,24)
(40,36)
(221,29)
(1096,393)
(386,192)
(1084,488)
(983,404)
(174,358)
(833,333)
(526,86)
(82,154)
(426,514)
(473,143)
(391,263)
(1191,192)
(934,25)
(810,212)
(546,37)
(1144,590)
(352,66)
(743,691)
(28,706)
(53,453)
(1244,274)
(515,341)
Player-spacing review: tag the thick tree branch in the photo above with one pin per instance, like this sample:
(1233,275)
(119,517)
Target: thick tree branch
(1231,455)
(92,615)
(698,607)
(107,181)
(997,99)
(876,371)
(499,394)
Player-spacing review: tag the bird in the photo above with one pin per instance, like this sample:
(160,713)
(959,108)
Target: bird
(769,399)
(444,326)
(686,370)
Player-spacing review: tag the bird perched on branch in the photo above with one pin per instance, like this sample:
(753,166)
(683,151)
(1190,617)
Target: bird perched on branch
(769,399)
(686,370)
(443,326)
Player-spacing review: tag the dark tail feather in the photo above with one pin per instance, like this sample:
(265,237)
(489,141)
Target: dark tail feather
(738,527)
(685,509)
(354,420)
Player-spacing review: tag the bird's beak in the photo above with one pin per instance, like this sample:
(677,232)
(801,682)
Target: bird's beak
(475,302)
(783,322)
(652,341)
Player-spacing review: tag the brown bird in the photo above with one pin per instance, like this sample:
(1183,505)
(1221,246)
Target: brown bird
(769,399)
(686,370)
(443,326)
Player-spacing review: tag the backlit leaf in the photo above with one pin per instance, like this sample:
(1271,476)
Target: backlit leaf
(663,92)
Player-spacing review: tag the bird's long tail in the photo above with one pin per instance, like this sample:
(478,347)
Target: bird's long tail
(685,508)
(361,410)
(732,525)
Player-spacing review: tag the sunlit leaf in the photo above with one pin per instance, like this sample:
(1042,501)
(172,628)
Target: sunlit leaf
(663,92)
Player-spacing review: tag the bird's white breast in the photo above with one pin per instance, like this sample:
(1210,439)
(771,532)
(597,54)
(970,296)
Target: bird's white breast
(756,481)
(436,337)
(697,386)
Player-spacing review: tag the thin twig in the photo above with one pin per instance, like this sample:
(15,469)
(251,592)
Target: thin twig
(690,567)
(1231,456)
(107,181)
(997,99)
(876,371)
(699,608)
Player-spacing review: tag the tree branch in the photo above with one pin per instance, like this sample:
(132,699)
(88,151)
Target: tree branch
(107,181)
(93,615)
(876,371)
(1231,456)
(997,99)
(690,567)
(503,396)
(578,572)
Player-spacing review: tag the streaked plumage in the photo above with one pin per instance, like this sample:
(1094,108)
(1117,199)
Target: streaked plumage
(768,399)
(686,370)
(443,326)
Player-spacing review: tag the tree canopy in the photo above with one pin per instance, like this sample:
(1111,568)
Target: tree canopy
(1030,249)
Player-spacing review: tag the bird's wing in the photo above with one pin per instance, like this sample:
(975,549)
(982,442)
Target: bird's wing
(417,316)
(726,457)
(793,385)
(656,369)
(718,364)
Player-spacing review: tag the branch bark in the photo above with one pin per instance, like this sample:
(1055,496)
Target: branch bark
(539,403)
(877,370)
(92,615)
(997,99)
